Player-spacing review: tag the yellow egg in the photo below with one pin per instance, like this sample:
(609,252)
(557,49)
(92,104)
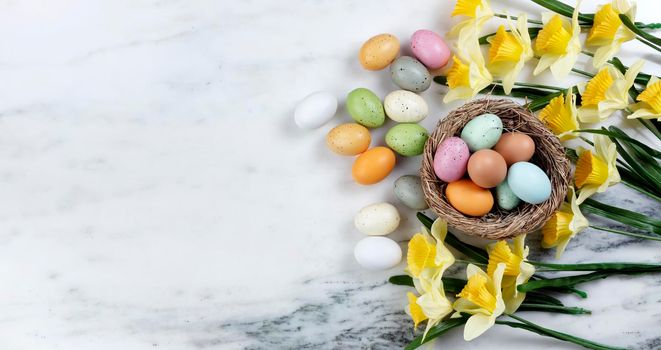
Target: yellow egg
(379,51)
(373,165)
(348,139)
(469,198)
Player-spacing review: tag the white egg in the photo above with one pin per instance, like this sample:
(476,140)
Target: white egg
(315,110)
(377,219)
(377,253)
(405,107)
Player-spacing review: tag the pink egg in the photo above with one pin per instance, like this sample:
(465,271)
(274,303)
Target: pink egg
(451,159)
(430,49)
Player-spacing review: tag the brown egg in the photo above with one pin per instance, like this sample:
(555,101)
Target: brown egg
(379,51)
(515,147)
(348,139)
(373,165)
(487,168)
(469,198)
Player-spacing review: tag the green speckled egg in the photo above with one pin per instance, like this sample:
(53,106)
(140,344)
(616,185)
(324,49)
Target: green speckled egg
(482,132)
(407,139)
(365,108)
(506,198)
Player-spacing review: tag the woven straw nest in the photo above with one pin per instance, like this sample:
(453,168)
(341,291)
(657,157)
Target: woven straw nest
(498,224)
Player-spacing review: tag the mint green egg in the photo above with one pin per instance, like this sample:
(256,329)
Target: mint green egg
(365,108)
(407,139)
(505,197)
(482,132)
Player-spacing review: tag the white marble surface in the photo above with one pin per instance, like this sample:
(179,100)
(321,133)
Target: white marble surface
(157,194)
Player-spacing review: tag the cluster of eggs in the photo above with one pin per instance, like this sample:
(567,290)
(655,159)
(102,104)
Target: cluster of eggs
(492,160)
(376,252)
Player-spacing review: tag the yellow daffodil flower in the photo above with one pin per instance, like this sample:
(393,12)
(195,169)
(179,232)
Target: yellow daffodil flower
(468,75)
(558,44)
(427,256)
(560,115)
(477,11)
(564,225)
(432,306)
(509,51)
(517,270)
(482,298)
(606,93)
(595,172)
(649,106)
(607,32)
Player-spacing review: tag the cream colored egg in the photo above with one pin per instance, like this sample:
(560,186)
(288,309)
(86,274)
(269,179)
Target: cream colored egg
(405,107)
(377,219)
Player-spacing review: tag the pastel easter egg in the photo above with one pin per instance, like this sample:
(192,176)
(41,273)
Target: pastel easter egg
(487,168)
(373,165)
(451,159)
(529,182)
(482,132)
(505,197)
(407,139)
(379,51)
(408,189)
(430,49)
(365,108)
(515,147)
(348,139)
(469,198)
(405,107)
(315,110)
(377,253)
(409,74)
(377,219)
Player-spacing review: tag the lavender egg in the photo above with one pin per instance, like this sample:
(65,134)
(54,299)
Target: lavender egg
(451,159)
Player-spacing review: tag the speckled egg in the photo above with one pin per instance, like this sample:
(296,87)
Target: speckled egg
(529,182)
(409,74)
(430,49)
(348,139)
(379,51)
(315,110)
(487,168)
(377,219)
(469,198)
(451,159)
(505,197)
(405,107)
(365,108)
(377,253)
(482,132)
(515,147)
(408,190)
(373,165)
(407,139)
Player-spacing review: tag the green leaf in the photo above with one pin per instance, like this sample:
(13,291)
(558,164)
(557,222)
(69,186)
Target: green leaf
(553,308)
(637,164)
(610,267)
(436,331)
(623,137)
(564,9)
(475,253)
(624,216)
(401,280)
(645,35)
(568,281)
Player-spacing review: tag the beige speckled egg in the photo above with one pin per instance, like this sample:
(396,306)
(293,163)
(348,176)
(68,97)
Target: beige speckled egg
(348,139)
(379,51)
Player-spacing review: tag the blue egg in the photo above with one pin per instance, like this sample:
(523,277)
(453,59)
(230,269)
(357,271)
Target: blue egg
(529,182)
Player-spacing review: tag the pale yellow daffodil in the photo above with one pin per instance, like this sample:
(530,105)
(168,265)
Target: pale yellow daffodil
(564,224)
(560,115)
(517,270)
(509,51)
(468,74)
(477,13)
(595,172)
(482,298)
(558,44)
(607,32)
(606,93)
(432,306)
(649,106)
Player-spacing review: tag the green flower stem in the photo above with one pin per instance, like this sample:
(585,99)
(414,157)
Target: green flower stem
(570,281)
(644,35)
(637,267)
(532,21)
(564,9)
(582,72)
(532,327)
(436,332)
(623,137)
(553,308)
(625,233)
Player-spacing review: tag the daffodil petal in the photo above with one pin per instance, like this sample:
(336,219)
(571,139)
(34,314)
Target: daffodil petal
(476,325)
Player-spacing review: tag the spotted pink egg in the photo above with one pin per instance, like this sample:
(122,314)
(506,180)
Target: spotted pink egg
(451,159)
(430,49)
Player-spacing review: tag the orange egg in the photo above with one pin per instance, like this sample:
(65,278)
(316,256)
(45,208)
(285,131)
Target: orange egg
(379,51)
(373,165)
(348,139)
(469,198)
(515,147)
(487,168)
